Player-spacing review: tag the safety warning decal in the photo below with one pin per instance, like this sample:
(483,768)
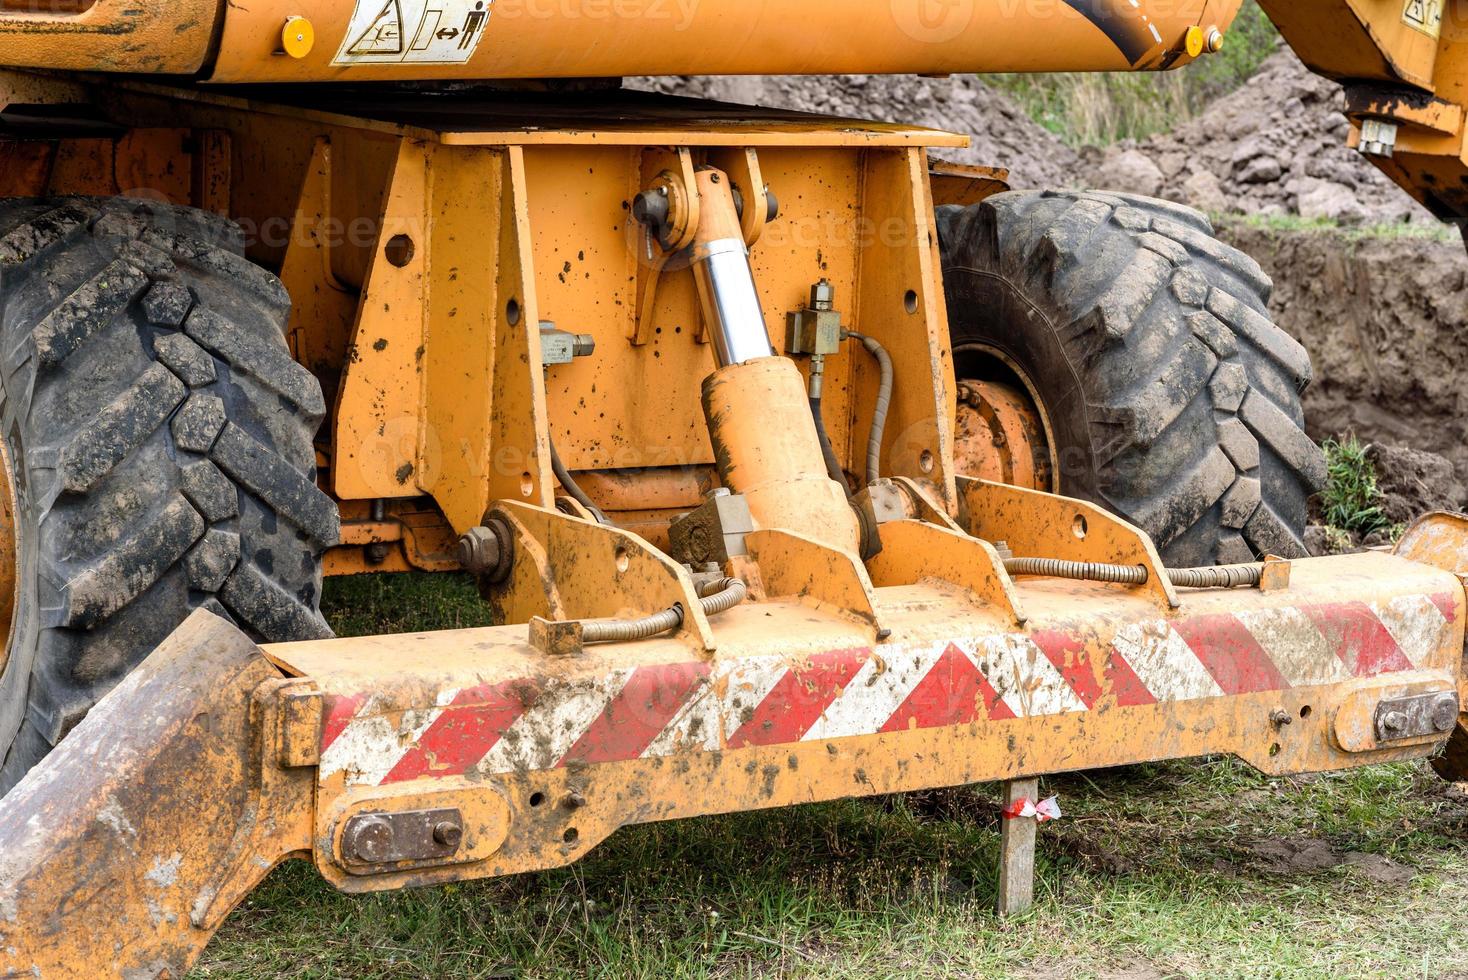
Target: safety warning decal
(1425,16)
(414,32)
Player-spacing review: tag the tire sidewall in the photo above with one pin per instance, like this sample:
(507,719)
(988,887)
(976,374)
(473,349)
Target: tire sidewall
(989,311)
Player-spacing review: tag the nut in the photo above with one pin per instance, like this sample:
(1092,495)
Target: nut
(488,551)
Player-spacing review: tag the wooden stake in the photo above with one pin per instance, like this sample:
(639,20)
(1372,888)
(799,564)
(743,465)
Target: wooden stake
(1017,851)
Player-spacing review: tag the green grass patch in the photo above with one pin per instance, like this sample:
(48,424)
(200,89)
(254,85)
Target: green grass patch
(1199,868)
(1293,224)
(1351,500)
(1097,109)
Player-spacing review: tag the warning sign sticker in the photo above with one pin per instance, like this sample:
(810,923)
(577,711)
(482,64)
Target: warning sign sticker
(1425,16)
(414,32)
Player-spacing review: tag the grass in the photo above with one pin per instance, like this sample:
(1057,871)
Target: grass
(1351,500)
(1156,871)
(1101,108)
(1282,224)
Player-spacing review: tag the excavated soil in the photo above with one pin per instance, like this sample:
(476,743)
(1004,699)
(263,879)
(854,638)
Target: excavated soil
(1275,146)
(1002,134)
(1383,314)
(1384,320)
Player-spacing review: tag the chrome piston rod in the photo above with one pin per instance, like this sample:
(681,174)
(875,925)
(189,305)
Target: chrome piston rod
(731,306)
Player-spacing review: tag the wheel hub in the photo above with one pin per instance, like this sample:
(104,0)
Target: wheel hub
(1000,436)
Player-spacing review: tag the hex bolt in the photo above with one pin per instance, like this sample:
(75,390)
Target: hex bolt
(652,208)
(573,801)
(479,549)
(488,550)
(1393,721)
(369,840)
(823,296)
(1280,717)
(448,834)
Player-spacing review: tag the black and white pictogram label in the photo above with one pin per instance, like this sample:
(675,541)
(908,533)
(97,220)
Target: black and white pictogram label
(414,32)
(1424,15)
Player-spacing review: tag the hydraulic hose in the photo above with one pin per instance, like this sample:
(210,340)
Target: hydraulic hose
(884,401)
(1218,577)
(828,452)
(572,488)
(731,592)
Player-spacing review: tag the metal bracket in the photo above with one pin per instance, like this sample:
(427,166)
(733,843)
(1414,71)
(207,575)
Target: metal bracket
(1416,717)
(375,840)
(1044,525)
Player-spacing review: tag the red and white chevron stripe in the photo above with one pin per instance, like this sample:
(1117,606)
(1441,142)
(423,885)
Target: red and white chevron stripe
(643,712)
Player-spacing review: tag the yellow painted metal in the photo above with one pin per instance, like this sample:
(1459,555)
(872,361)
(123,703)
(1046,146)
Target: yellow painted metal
(901,304)
(1441,540)
(166,825)
(794,565)
(766,448)
(376,447)
(1040,525)
(531,39)
(577,569)
(1357,39)
(188,841)
(916,552)
(112,35)
(1399,68)
(1002,436)
(925,612)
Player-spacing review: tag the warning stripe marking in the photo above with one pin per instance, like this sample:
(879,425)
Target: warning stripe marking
(531,724)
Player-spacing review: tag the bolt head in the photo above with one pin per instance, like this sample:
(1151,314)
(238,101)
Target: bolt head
(370,840)
(1394,721)
(448,834)
(1445,714)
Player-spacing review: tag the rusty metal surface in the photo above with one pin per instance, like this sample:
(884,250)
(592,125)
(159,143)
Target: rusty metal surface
(1441,540)
(800,704)
(964,184)
(1042,525)
(1000,436)
(124,850)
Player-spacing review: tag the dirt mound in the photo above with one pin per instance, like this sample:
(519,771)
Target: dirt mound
(1384,321)
(1003,134)
(1413,482)
(1276,145)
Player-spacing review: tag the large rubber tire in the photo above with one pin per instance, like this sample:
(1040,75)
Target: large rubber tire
(161,448)
(1174,400)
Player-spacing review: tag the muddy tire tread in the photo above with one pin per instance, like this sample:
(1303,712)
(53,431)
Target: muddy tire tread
(114,411)
(1192,396)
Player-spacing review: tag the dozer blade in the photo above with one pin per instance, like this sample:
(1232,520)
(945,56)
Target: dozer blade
(122,851)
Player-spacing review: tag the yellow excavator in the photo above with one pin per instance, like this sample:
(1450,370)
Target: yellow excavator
(793,463)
